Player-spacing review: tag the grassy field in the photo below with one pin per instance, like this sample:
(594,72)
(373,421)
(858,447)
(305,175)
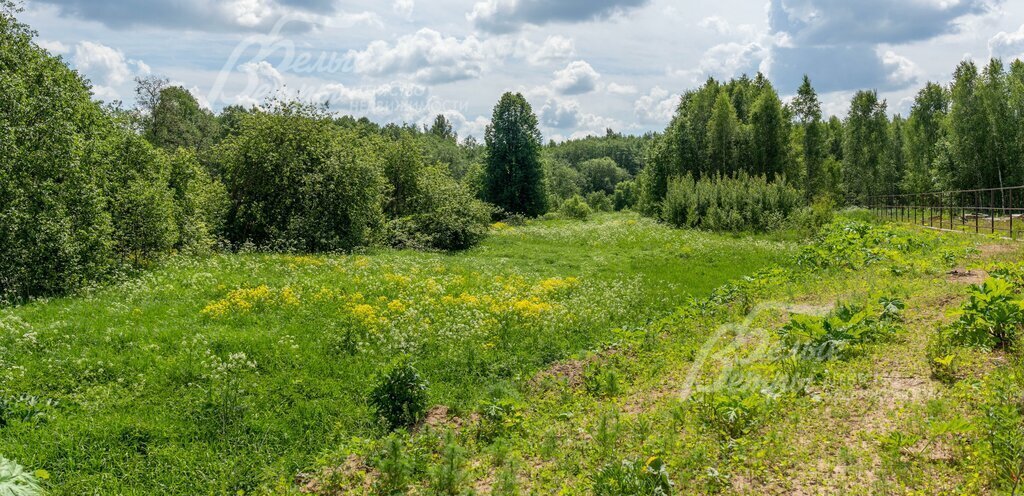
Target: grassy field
(236,373)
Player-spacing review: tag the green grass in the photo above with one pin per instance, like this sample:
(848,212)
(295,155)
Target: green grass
(237,372)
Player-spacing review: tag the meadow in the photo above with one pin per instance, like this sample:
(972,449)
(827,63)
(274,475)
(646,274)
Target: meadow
(221,373)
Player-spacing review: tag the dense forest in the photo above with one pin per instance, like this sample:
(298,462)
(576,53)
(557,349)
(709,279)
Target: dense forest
(88,190)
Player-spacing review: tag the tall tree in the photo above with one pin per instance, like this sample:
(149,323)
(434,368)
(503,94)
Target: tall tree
(922,132)
(442,128)
(864,146)
(514,177)
(807,109)
(768,133)
(177,121)
(723,136)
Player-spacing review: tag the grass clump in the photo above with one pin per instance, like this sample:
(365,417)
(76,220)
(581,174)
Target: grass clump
(400,396)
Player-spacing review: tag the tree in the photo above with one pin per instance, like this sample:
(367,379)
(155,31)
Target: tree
(723,136)
(807,109)
(768,133)
(177,121)
(514,177)
(601,174)
(403,164)
(442,128)
(864,146)
(922,132)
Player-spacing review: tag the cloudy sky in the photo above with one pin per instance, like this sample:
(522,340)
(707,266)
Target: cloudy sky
(585,65)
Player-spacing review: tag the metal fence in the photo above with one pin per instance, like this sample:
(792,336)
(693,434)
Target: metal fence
(998,211)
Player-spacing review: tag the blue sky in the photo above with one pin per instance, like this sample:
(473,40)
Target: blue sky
(585,65)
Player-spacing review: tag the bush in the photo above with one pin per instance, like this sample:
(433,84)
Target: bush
(576,208)
(599,201)
(741,203)
(633,477)
(200,201)
(991,317)
(626,196)
(447,216)
(80,192)
(400,396)
(294,179)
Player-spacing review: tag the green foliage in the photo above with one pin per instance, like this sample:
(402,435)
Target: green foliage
(991,317)
(396,466)
(514,180)
(601,174)
(633,477)
(732,412)
(576,208)
(599,201)
(449,477)
(177,121)
(444,215)
(855,244)
(499,418)
(742,203)
(15,481)
(835,336)
(400,396)
(201,202)
(625,196)
(1003,427)
(296,181)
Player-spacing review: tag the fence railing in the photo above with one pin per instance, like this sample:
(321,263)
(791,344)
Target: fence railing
(997,211)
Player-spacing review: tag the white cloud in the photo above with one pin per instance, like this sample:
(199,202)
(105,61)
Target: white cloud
(732,59)
(621,89)
(577,78)
(504,16)
(1007,45)
(554,49)
(404,8)
(54,47)
(426,56)
(248,13)
(105,64)
(656,107)
(716,24)
(902,72)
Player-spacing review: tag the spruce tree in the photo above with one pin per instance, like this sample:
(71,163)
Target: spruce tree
(514,176)
(807,108)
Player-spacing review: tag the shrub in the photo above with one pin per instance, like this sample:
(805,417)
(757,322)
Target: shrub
(400,396)
(732,412)
(200,202)
(625,197)
(447,216)
(991,317)
(449,476)
(601,174)
(632,477)
(599,201)
(740,203)
(294,179)
(576,208)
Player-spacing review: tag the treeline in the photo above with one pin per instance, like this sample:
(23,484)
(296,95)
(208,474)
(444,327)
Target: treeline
(87,191)
(968,134)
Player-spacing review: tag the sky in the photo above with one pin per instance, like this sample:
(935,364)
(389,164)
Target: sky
(584,65)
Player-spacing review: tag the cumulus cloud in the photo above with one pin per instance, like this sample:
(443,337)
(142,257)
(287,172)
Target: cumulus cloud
(554,49)
(732,59)
(566,115)
(621,89)
(840,43)
(404,8)
(505,16)
(54,47)
(107,68)
(211,15)
(426,56)
(716,24)
(576,79)
(1007,45)
(656,107)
